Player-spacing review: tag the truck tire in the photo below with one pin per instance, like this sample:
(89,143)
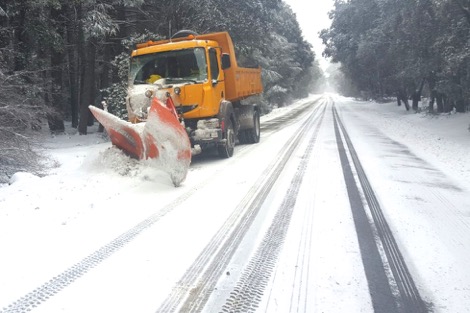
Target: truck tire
(242,136)
(226,149)
(253,135)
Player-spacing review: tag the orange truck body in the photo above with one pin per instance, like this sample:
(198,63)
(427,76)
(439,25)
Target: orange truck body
(201,75)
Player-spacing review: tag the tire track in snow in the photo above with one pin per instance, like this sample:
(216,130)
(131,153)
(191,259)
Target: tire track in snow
(299,294)
(66,278)
(204,273)
(249,290)
(287,119)
(383,298)
(56,284)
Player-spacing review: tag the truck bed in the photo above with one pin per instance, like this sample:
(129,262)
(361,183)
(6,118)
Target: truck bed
(242,82)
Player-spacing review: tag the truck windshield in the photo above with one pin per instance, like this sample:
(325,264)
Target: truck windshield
(181,66)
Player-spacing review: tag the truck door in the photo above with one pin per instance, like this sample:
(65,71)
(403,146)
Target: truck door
(216,79)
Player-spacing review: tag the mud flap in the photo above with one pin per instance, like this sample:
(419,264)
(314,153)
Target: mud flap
(161,138)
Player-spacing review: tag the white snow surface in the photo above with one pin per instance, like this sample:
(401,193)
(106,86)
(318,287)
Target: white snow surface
(96,194)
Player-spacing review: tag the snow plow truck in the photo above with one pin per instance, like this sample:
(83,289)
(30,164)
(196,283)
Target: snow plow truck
(184,95)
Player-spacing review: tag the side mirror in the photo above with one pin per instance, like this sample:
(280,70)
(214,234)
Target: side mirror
(226,61)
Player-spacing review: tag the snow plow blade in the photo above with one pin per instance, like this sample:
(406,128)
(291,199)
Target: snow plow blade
(124,135)
(161,138)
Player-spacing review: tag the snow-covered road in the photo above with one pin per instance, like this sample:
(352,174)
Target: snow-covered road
(333,211)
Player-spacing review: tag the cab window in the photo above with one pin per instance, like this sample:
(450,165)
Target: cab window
(214,65)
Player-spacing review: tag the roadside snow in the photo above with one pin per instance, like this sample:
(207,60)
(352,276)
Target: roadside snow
(441,139)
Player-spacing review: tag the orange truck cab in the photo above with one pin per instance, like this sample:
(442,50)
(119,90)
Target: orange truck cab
(200,75)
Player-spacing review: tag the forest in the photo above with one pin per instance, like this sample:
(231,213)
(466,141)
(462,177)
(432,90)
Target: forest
(59,56)
(405,49)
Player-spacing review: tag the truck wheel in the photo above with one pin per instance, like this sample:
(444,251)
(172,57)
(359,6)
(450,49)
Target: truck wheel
(252,135)
(242,136)
(226,150)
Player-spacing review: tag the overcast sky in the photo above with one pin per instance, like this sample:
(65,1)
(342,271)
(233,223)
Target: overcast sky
(313,17)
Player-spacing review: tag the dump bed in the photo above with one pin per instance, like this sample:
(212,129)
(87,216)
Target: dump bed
(240,82)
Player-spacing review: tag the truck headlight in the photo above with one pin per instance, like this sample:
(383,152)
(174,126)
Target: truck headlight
(149,93)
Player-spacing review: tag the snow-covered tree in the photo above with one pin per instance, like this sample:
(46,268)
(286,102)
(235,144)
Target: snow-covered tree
(397,47)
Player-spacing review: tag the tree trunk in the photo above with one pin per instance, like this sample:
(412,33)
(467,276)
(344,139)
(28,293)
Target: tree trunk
(55,118)
(20,42)
(416,97)
(458,94)
(432,100)
(87,86)
(84,76)
(90,86)
(105,80)
(402,96)
(432,87)
(9,38)
(440,102)
(460,102)
(72,59)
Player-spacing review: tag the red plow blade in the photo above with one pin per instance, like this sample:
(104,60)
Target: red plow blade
(124,135)
(161,137)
